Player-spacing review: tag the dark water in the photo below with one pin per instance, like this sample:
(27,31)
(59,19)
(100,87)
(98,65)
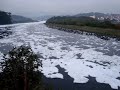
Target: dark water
(67,83)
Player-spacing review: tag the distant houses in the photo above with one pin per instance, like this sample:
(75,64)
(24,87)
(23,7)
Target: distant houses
(101,16)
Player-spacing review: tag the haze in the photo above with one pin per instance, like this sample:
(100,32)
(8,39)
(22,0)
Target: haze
(32,8)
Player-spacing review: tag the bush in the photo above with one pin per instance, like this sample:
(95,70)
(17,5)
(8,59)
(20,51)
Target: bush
(20,70)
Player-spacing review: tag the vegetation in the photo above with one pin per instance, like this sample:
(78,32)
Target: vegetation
(86,24)
(5,18)
(81,21)
(20,70)
(21,19)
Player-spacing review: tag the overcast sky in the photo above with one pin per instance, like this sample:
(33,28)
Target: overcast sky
(34,8)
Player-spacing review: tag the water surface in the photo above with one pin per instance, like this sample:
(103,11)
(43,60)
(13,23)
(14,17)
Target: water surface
(82,58)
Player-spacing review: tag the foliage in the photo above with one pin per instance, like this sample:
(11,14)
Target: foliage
(5,18)
(20,70)
(80,21)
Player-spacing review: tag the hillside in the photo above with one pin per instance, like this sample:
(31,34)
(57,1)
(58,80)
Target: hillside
(20,19)
(80,21)
(91,14)
(115,18)
(84,24)
(42,18)
(5,18)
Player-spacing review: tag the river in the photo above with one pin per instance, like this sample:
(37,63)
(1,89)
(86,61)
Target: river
(70,61)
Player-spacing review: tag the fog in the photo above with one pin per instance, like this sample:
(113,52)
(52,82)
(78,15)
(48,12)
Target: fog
(33,8)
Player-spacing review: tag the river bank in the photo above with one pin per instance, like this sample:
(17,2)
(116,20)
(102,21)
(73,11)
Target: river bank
(102,33)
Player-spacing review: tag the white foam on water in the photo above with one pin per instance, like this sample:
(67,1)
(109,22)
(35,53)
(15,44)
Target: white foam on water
(105,68)
(1,56)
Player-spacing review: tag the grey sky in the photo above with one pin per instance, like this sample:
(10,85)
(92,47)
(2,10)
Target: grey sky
(59,7)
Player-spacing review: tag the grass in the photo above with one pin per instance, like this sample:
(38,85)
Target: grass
(97,30)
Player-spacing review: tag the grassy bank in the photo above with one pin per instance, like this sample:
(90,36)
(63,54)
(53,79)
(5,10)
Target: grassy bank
(96,30)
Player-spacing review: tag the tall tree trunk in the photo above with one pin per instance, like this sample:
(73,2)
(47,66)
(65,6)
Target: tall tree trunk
(25,81)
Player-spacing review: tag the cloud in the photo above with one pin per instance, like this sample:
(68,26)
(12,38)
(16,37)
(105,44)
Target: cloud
(58,7)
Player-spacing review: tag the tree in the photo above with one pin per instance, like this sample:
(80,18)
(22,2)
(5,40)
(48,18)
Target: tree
(80,21)
(20,70)
(5,18)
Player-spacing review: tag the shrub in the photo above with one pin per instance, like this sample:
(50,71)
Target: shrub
(20,70)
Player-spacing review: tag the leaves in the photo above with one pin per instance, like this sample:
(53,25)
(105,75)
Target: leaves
(18,65)
(5,18)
